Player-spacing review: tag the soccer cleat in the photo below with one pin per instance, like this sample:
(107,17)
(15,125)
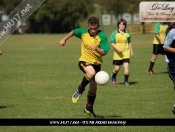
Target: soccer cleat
(91,114)
(173,110)
(126,83)
(150,72)
(113,80)
(76,96)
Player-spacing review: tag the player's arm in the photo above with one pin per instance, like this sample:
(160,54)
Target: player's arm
(170,49)
(156,32)
(131,50)
(103,47)
(116,48)
(160,38)
(63,40)
(99,50)
(113,41)
(130,45)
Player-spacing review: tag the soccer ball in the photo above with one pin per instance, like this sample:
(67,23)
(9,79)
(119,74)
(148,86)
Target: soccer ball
(102,78)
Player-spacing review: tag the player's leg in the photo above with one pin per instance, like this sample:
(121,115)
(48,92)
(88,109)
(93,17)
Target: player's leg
(126,71)
(89,73)
(171,71)
(173,110)
(153,59)
(0,52)
(117,64)
(91,96)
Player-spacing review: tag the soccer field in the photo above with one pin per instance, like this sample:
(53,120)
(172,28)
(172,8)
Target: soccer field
(38,79)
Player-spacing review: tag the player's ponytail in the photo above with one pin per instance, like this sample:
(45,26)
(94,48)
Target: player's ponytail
(170,27)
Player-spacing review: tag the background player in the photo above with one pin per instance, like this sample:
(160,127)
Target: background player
(121,42)
(160,29)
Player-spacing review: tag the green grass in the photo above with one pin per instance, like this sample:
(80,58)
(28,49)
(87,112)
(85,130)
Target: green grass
(38,78)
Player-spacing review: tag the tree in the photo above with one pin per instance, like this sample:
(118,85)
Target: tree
(54,15)
(57,16)
(61,16)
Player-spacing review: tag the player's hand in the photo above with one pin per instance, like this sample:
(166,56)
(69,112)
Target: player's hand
(92,47)
(62,42)
(162,41)
(119,50)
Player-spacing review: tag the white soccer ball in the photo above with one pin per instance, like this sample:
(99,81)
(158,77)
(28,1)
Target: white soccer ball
(102,78)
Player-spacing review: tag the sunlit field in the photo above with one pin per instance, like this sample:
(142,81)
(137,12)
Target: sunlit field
(38,79)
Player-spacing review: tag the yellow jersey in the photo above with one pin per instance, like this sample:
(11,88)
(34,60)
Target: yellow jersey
(160,29)
(99,40)
(121,40)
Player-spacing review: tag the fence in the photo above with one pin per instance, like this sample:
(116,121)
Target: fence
(139,29)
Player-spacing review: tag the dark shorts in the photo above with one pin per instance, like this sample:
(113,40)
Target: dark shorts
(158,49)
(83,64)
(120,62)
(171,69)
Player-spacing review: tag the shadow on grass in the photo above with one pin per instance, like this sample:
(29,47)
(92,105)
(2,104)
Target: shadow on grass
(131,83)
(105,117)
(4,107)
(112,116)
(165,72)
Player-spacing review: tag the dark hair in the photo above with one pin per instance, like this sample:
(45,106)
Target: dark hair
(171,27)
(93,21)
(120,21)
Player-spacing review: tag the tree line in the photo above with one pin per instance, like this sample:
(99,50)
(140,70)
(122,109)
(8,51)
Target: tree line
(59,16)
